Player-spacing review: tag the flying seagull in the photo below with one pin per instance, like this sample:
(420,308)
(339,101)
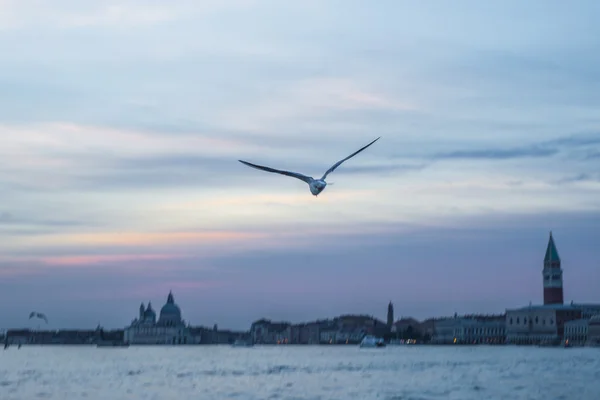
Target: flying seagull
(38,315)
(316,185)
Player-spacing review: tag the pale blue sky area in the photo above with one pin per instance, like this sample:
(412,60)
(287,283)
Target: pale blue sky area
(121,123)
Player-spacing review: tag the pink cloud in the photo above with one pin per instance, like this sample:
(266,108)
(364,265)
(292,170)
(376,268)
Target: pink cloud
(123,264)
(78,260)
(125,239)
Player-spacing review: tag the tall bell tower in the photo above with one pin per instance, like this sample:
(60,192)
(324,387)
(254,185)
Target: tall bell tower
(552,273)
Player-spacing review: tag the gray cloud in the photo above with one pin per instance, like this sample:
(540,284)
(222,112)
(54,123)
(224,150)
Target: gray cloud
(582,177)
(543,149)
(16,224)
(9,219)
(172,171)
(577,140)
(380,169)
(499,154)
(160,171)
(5,216)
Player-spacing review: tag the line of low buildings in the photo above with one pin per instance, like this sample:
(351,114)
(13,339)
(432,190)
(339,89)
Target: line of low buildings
(345,329)
(146,329)
(62,337)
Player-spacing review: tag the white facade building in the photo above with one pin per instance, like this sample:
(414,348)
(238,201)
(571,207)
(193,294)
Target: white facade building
(169,329)
(469,330)
(540,324)
(576,331)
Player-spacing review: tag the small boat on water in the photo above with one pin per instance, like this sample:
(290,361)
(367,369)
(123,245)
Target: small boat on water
(242,343)
(371,341)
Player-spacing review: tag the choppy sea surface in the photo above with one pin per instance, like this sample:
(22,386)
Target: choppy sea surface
(299,372)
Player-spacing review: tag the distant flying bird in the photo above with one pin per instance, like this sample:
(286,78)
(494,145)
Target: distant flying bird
(316,185)
(38,315)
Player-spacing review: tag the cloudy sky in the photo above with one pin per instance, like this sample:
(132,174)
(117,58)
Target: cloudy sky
(121,123)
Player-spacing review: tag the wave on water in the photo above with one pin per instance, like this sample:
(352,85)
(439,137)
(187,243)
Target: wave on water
(299,372)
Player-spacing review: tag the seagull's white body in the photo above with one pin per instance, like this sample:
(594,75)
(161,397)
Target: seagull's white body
(316,185)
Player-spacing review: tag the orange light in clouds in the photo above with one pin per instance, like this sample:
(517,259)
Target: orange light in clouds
(106,258)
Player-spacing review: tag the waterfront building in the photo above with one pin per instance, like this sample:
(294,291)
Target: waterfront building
(587,310)
(265,331)
(368,324)
(586,329)
(593,335)
(65,336)
(405,324)
(345,329)
(327,335)
(169,329)
(427,327)
(576,331)
(469,330)
(336,335)
(310,333)
(445,330)
(539,324)
(305,333)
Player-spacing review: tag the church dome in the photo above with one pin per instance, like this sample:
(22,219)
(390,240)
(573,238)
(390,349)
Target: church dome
(170,314)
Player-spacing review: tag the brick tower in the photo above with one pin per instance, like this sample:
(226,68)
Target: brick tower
(553,282)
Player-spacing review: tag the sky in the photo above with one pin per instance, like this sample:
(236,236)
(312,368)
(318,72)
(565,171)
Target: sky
(121,123)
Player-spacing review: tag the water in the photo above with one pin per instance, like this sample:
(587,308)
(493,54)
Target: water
(299,372)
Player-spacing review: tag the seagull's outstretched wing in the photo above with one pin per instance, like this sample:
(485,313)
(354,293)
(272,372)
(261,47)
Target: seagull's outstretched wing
(304,178)
(337,164)
(31,314)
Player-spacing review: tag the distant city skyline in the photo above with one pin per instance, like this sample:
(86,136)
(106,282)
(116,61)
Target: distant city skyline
(122,123)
